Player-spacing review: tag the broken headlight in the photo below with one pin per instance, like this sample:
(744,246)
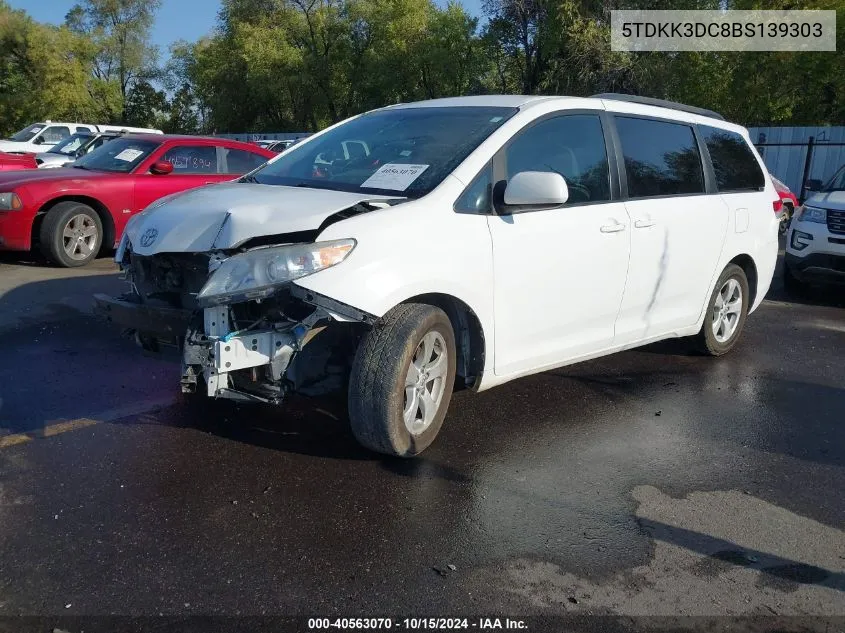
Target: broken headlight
(258,273)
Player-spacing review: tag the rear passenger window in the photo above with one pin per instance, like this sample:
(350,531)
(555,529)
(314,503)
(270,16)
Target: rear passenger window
(661,158)
(734,164)
(570,145)
(192,159)
(239,161)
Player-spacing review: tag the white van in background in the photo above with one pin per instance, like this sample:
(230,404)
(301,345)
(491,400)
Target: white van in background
(40,137)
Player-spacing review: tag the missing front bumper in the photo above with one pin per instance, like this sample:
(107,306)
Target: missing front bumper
(168,323)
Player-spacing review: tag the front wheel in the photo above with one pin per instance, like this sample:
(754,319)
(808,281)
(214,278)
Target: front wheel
(71,234)
(726,312)
(402,379)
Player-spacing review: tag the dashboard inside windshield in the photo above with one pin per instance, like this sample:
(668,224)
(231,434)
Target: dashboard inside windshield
(406,151)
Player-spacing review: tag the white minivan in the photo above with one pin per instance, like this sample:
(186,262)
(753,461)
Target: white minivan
(40,137)
(479,239)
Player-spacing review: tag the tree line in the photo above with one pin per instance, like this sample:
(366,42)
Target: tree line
(298,65)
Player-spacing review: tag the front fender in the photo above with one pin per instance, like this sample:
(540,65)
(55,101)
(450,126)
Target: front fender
(407,251)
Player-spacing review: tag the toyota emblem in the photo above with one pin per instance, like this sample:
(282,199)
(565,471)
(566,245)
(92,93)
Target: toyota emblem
(149,237)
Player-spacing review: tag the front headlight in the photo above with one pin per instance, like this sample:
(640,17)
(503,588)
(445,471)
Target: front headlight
(10,202)
(813,214)
(259,273)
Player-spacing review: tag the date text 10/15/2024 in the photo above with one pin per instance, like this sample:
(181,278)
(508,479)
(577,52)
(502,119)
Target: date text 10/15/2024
(415,624)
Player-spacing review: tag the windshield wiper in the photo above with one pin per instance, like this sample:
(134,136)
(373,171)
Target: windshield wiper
(252,179)
(79,167)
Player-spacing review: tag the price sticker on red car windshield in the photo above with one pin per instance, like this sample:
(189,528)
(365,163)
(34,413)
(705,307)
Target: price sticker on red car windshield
(129,155)
(394,176)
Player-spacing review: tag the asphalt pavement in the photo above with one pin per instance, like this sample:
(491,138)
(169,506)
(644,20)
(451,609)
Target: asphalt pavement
(649,483)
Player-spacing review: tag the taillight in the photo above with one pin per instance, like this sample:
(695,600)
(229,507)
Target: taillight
(777,205)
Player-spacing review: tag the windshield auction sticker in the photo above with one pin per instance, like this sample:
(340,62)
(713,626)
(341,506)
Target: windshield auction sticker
(129,155)
(394,176)
(735,30)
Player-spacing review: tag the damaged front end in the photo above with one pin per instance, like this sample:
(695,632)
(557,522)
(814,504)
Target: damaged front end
(245,332)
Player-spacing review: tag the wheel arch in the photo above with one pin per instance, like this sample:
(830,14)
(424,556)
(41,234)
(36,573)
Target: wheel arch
(749,267)
(101,210)
(469,333)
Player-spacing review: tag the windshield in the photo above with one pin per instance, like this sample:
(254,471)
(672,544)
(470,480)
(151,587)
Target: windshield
(837,183)
(27,134)
(407,151)
(121,155)
(72,143)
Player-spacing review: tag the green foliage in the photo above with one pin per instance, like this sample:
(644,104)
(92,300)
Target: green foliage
(41,74)
(303,64)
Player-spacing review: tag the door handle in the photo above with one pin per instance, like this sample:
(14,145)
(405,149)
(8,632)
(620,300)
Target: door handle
(612,228)
(644,224)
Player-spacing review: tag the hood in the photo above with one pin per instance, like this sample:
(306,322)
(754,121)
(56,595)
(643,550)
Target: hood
(33,176)
(53,160)
(15,146)
(16,159)
(828,200)
(224,216)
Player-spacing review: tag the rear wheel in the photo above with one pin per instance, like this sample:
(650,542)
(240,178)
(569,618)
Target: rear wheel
(726,312)
(788,211)
(71,234)
(402,379)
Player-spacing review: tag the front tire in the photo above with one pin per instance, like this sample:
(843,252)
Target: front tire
(726,312)
(402,379)
(71,234)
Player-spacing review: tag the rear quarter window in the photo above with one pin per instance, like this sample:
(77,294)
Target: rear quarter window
(661,158)
(734,164)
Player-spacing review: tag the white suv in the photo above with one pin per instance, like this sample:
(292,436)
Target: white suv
(479,239)
(815,244)
(41,137)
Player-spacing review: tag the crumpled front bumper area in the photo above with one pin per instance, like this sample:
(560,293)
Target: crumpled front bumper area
(166,323)
(255,359)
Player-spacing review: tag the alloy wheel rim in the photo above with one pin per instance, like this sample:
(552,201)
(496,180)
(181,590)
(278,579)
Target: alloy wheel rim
(425,382)
(79,237)
(727,310)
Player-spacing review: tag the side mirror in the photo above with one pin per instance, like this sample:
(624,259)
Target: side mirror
(161,168)
(813,184)
(535,190)
(38,140)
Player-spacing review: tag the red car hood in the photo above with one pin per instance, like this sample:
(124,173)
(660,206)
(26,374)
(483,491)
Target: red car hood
(18,159)
(49,176)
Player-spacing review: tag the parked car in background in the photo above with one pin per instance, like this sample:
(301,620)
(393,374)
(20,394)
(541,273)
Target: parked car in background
(40,137)
(465,241)
(73,147)
(280,146)
(12,162)
(71,212)
(815,243)
(789,202)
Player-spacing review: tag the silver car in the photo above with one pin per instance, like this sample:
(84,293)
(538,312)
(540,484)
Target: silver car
(71,148)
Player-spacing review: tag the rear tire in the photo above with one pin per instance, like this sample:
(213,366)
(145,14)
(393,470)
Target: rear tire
(726,312)
(71,234)
(787,218)
(402,379)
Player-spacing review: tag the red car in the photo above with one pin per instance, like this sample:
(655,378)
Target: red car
(788,200)
(10,162)
(72,212)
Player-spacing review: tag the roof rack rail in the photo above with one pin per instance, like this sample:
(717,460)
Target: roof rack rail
(660,103)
